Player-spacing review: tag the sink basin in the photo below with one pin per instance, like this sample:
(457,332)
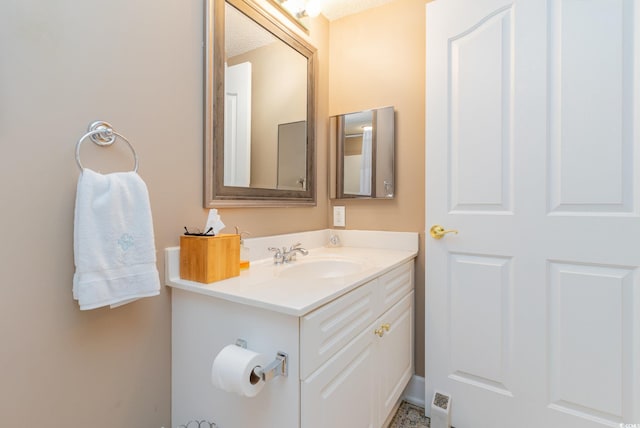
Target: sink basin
(322,268)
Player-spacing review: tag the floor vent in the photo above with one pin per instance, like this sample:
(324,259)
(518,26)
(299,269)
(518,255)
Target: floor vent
(441,410)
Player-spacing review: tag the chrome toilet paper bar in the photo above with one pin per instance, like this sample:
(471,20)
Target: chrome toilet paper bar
(277,367)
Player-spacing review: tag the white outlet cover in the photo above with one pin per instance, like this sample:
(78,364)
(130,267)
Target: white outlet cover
(339,216)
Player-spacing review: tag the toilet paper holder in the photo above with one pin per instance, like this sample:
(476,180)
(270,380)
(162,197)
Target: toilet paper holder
(278,367)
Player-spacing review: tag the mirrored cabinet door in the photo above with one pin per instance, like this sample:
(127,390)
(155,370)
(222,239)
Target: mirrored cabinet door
(362,154)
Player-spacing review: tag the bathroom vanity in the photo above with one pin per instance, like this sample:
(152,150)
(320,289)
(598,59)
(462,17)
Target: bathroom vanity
(343,316)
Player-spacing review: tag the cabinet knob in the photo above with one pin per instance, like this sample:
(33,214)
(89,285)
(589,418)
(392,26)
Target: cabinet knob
(380,331)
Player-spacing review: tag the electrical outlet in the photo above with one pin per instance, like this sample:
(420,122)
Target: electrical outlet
(339,215)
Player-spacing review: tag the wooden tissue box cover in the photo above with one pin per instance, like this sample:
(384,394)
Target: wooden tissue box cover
(209,258)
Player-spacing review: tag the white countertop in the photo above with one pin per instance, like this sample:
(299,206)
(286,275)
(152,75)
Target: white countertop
(263,286)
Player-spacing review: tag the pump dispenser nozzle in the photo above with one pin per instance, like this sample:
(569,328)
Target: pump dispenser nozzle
(244,251)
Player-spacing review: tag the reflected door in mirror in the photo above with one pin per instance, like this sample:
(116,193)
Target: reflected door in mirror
(237,125)
(292,159)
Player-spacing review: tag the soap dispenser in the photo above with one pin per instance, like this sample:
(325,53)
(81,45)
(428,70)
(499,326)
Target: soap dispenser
(244,251)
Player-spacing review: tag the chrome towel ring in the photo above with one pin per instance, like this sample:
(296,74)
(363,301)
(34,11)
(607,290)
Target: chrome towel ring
(102,134)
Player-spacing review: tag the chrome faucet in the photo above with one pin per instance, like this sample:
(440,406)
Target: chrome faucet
(283,255)
(290,255)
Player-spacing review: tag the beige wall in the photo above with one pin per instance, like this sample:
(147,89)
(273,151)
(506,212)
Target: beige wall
(138,65)
(377,58)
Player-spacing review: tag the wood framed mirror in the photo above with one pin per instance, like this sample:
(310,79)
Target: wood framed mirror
(259,136)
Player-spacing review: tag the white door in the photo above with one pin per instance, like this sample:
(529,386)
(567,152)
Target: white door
(237,125)
(533,308)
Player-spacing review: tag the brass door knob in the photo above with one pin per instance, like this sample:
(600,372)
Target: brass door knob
(437,231)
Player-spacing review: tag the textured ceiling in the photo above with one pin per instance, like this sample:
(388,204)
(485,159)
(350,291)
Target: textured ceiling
(243,35)
(335,9)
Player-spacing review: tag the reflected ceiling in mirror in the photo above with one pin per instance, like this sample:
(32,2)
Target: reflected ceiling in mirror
(263,152)
(295,11)
(364,146)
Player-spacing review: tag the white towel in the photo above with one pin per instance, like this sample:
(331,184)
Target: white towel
(114,248)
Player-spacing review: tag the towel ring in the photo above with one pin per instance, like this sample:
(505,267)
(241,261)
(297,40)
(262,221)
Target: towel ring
(102,134)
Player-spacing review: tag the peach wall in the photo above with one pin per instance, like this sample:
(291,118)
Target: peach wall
(377,58)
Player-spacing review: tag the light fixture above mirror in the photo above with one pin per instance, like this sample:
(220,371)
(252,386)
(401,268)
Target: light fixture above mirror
(298,11)
(301,8)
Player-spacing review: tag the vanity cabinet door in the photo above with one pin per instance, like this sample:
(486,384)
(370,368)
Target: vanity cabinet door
(395,355)
(342,393)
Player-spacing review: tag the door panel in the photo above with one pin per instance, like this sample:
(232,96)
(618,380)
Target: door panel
(480,115)
(587,325)
(591,106)
(479,320)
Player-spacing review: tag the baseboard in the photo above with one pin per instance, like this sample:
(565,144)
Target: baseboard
(415,391)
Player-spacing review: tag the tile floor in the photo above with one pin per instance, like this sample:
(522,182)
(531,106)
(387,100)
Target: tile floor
(409,416)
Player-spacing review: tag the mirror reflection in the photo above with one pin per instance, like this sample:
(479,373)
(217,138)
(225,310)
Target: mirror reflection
(364,147)
(265,108)
(259,130)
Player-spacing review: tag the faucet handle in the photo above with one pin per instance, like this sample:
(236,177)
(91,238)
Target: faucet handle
(276,250)
(278,255)
(296,245)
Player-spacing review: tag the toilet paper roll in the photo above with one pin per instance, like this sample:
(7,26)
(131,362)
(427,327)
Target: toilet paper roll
(232,370)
